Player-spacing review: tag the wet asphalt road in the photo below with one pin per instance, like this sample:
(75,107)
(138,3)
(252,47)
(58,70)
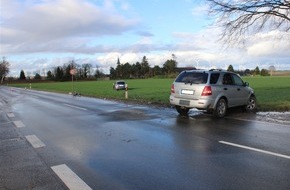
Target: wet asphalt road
(112,145)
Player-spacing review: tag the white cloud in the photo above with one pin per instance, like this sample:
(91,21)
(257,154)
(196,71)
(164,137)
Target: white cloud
(274,43)
(261,49)
(47,23)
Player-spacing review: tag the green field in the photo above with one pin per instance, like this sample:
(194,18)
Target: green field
(273,93)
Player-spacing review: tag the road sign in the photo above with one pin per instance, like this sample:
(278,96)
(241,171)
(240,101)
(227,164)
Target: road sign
(73,71)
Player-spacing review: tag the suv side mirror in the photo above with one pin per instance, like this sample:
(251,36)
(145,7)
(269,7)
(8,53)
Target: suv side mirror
(246,84)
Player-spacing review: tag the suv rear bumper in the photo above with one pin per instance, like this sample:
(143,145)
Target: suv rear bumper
(204,104)
(120,87)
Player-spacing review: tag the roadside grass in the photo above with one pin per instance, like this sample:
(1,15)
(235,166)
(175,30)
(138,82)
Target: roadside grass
(273,93)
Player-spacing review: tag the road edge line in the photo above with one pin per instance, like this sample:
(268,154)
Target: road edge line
(72,106)
(255,149)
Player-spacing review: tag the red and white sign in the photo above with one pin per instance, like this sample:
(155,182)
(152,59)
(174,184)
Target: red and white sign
(73,71)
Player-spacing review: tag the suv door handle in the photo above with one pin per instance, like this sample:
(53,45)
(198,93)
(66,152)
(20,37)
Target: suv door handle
(225,88)
(238,89)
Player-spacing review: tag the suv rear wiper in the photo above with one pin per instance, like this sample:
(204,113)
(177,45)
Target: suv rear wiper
(189,81)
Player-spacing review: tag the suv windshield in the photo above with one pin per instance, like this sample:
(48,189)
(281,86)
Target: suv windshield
(192,77)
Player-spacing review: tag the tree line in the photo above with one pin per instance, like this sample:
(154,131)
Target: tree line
(256,71)
(121,71)
(63,73)
(143,70)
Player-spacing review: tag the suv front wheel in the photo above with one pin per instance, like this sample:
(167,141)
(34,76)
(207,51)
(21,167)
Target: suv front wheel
(252,104)
(182,110)
(221,108)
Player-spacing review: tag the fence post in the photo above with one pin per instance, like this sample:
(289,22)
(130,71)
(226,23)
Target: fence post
(126,91)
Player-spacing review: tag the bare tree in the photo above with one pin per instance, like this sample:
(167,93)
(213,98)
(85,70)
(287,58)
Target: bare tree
(241,17)
(87,67)
(4,69)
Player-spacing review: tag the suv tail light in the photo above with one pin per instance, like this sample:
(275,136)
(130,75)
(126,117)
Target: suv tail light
(206,91)
(172,88)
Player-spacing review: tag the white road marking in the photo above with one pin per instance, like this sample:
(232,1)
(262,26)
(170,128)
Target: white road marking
(34,141)
(255,149)
(10,115)
(18,124)
(70,179)
(72,106)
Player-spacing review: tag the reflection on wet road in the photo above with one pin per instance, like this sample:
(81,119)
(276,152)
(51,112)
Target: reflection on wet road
(113,145)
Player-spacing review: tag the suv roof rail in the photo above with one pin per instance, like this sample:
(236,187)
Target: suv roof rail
(216,70)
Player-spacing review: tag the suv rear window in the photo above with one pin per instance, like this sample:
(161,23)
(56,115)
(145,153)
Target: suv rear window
(192,77)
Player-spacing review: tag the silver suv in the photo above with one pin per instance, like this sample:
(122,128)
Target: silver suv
(119,85)
(212,90)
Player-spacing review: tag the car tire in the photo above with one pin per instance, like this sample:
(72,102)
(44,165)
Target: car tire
(182,110)
(251,105)
(221,108)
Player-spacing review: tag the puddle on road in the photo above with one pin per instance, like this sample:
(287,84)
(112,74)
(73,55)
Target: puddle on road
(128,114)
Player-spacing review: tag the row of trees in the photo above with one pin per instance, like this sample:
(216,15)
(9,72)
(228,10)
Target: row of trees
(122,71)
(256,71)
(64,73)
(143,70)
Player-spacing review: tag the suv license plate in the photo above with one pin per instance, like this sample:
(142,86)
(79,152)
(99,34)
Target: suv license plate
(187,92)
(184,102)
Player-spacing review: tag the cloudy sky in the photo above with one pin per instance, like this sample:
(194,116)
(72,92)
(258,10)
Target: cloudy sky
(37,35)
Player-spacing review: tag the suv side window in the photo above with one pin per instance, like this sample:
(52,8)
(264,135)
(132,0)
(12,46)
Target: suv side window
(238,80)
(214,78)
(227,79)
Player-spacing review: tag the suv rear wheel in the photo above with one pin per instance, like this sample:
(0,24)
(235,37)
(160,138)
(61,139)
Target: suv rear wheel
(221,108)
(182,110)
